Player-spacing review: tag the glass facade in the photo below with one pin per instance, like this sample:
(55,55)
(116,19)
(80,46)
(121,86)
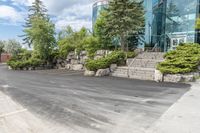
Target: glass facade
(168,23)
(97,7)
(171,22)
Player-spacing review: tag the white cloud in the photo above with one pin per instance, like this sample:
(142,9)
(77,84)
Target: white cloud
(75,24)
(10,14)
(22,2)
(76,13)
(77,16)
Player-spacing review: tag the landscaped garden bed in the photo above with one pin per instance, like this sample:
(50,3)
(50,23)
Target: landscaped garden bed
(182,64)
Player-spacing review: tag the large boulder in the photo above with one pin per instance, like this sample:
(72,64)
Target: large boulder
(113,67)
(68,66)
(71,55)
(89,73)
(77,67)
(83,53)
(74,61)
(158,77)
(83,59)
(102,72)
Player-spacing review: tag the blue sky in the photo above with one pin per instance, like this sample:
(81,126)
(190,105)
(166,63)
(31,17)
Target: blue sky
(76,13)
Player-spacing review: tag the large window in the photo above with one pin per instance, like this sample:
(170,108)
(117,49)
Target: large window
(181,17)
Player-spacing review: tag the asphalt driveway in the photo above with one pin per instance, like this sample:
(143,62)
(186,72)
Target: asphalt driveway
(90,104)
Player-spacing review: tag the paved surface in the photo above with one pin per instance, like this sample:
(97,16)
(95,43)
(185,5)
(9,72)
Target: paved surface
(89,105)
(183,116)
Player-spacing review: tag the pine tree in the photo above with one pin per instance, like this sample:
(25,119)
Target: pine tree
(124,17)
(100,32)
(39,30)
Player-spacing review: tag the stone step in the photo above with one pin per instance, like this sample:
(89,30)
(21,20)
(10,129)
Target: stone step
(145,63)
(142,67)
(151,55)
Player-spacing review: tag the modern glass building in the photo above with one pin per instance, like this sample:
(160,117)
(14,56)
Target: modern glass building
(171,22)
(167,22)
(97,7)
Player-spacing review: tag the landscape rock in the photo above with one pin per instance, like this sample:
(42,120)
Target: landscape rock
(83,53)
(102,72)
(158,76)
(68,66)
(77,67)
(9,68)
(175,78)
(25,68)
(89,73)
(60,66)
(30,68)
(74,61)
(188,78)
(71,55)
(113,67)
(39,68)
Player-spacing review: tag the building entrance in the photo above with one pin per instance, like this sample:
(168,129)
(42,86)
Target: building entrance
(175,41)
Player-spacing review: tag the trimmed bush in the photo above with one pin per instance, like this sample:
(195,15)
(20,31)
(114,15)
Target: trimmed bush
(131,54)
(116,57)
(20,64)
(184,59)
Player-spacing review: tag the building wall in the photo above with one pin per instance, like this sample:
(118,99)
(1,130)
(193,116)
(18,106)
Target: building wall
(5,57)
(167,22)
(98,6)
(171,22)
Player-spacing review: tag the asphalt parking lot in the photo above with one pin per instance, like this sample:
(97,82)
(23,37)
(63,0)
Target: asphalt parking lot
(90,104)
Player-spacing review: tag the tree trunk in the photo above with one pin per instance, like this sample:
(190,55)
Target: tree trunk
(122,40)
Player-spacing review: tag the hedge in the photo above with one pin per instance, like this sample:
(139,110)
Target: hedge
(185,59)
(20,64)
(116,57)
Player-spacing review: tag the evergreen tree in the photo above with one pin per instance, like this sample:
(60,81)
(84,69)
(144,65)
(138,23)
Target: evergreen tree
(39,31)
(124,17)
(100,32)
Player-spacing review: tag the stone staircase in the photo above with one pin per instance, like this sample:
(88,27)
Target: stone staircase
(142,67)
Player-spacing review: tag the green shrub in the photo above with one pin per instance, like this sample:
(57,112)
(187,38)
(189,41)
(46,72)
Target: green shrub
(131,54)
(20,64)
(116,57)
(184,59)
(91,45)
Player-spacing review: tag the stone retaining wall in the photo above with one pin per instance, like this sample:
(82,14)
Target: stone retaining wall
(176,78)
(75,61)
